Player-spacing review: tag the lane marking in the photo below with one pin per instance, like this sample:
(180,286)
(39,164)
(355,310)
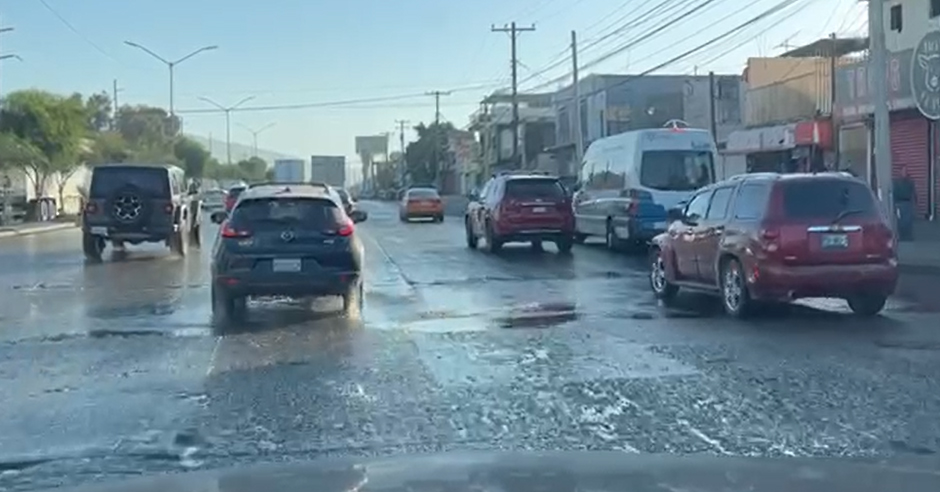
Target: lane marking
(213,355)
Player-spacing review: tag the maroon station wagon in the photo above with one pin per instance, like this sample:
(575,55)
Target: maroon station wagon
(772,238)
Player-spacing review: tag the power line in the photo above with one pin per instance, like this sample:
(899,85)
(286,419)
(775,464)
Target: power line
(514,31)
(75,30)
(750,22)
(636,40)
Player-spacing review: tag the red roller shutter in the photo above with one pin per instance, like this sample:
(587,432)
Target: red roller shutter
(910,148)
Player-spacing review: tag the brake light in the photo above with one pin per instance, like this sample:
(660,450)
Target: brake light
(91,208)
(346,230)
(230,232)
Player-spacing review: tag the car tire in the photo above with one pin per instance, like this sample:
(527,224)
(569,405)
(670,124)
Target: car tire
(565,245)
(403,218)
(472,240)
(439,218)
(493,244)
(195,236)
(227,308)
(611,241)
(580,238)
(179,243)
(353,299)
(735,296)
(867,305)
(92,247)
(662,288)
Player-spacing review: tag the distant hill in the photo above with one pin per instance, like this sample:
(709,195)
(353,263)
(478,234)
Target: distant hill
(239,151)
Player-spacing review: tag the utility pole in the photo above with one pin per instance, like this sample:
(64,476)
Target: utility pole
(579,135)
(171,65)
(6,185)
(4,30)
(255,133)
(115,89)
(228,123)
(879,67)
(514,31)
(712,113)
(833,65)
(437,133)
(402,164)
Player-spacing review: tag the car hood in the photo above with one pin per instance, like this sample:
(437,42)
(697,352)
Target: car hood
(556,472)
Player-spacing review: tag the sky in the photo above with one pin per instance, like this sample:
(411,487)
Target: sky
(303,61)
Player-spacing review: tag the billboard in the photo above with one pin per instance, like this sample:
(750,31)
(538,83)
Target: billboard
(372,145)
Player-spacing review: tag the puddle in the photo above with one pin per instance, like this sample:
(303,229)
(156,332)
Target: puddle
(539,315)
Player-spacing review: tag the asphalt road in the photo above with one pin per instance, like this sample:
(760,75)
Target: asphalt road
(113,369)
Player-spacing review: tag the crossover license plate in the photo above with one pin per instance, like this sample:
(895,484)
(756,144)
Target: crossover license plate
(286,266)
(835,241)
(539,210)
(99,231)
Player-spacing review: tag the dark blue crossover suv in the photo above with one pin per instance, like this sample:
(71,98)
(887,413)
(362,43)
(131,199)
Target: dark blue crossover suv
(285,240)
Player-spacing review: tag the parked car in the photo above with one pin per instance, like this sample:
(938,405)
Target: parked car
(772,238)
(214,200)
(348,203)
(292,241)
(520,207)
(629,181)
(231,197)
(421,203)
(137,204)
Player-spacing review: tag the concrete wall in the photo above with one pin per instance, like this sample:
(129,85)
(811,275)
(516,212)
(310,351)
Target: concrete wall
(786,89)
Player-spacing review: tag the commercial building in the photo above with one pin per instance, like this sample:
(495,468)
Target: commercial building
(913,62)
(492,124)
(612,104)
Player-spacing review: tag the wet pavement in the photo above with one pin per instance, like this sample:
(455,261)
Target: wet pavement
(110,370)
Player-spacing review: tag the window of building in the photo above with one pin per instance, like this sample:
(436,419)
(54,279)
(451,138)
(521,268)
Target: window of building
(896,23)
(934,8)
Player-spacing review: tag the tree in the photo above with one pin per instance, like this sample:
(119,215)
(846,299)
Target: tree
(107,148)
(147,129)
(193,156)
(98,108)
(51,127)
(424,155)
(253,169)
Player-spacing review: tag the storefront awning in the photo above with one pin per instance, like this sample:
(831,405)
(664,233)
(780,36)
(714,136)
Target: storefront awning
(764,139)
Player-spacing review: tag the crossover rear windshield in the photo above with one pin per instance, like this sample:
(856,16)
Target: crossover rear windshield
(826,199)
(524,188)
(422,193)
(234,192)
(313,213)
(676,170)
(107,181)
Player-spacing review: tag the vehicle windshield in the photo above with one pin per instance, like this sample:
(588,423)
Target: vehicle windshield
(827,199)
(371,230)
(106,181)
(532,188)
(422,193)
(316,214)
(676,170)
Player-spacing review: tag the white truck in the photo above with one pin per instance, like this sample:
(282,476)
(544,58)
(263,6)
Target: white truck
(18,192)
(329,169)
(291,171)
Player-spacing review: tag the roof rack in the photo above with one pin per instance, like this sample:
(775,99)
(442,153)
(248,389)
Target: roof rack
(288,184)
(522,172)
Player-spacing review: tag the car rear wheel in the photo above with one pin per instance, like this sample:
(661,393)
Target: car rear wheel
(195,235)
(564,245)
(659,282)
(867,304)
(92,246)
(493,244)
(227,308)
(611,241)
(580,238)
(472,240)
(353,299)
(439,218)
(179,243)
(735,296)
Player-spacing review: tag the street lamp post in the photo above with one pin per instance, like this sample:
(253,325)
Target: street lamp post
(171,64)
(255,133)
(228,122)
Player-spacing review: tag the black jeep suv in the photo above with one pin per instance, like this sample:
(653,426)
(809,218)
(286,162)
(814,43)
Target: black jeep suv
(136,203)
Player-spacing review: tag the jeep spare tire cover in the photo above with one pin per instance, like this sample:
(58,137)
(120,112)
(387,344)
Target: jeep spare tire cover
(129,205)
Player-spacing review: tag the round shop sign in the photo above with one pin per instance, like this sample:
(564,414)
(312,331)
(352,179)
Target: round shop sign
(925,75)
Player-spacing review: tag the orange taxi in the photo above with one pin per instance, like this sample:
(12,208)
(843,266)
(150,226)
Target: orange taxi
(421,203)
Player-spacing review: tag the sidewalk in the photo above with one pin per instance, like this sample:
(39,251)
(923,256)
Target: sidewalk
(31,228)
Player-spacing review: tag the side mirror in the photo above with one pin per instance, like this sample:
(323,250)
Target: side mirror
(358,216)
(675,213)
(218,217)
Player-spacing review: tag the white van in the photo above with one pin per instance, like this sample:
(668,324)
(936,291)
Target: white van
(629,181)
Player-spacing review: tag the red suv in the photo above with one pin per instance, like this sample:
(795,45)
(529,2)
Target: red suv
(774,238)
(521,207)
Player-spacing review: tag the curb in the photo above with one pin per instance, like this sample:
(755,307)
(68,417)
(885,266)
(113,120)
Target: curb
(30,231)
